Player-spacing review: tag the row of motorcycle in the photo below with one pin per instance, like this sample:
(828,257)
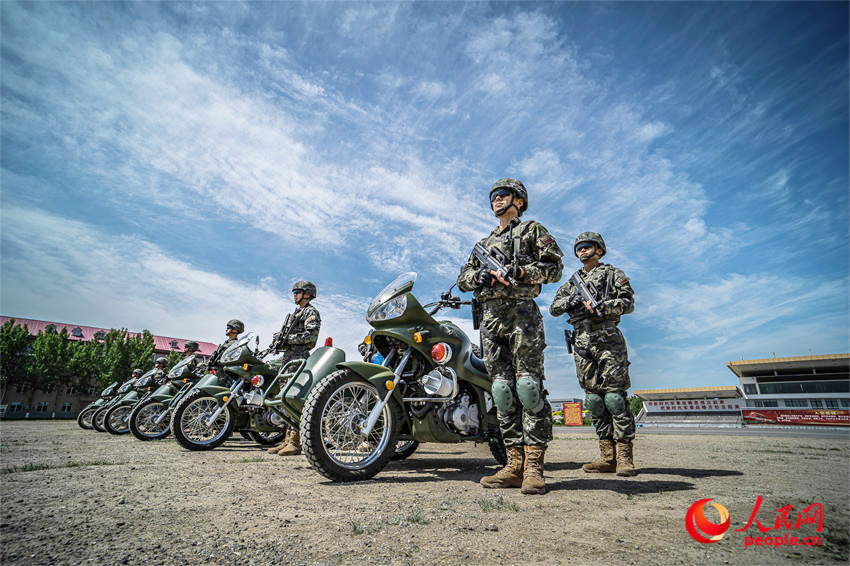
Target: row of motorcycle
(420,380)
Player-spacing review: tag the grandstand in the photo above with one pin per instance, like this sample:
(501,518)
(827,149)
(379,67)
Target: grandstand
(718,406)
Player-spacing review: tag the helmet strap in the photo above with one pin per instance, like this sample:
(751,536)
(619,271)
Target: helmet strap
(501,211)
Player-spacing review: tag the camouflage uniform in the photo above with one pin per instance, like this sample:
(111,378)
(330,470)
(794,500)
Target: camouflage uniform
(303,333)
(602,362)
(512,330)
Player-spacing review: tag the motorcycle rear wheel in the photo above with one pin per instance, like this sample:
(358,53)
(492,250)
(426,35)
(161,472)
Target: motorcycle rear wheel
(330,421)
(267,438)
(114,422)
(85,416)
(142,419)
(405,449)
(188,427)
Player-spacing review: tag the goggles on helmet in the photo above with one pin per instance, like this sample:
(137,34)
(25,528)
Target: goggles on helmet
(500,192)
(583,245)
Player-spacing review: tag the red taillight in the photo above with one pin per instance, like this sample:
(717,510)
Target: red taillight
(212,371)
(329,341)
(257,381)
(441,352)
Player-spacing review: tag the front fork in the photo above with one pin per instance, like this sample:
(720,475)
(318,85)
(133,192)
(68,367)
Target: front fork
(234,389)
(376,411)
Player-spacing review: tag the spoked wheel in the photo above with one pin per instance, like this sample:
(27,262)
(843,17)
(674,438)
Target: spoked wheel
(143,420)
(190,425)
(331,423)
(267,438)
(404,449)
(117,419)
(85,416)
(97,419)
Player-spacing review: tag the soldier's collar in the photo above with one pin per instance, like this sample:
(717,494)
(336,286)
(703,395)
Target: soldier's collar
(515,222)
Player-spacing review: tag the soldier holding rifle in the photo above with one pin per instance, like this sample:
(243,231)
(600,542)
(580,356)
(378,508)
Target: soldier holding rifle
(296,338)
(506,271)
(595,297)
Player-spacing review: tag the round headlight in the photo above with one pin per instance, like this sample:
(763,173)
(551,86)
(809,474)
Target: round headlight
(393,308)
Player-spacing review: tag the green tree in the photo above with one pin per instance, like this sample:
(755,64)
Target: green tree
(15,343)
(635,404)
(141,349)
(115,360)
(85,365)
(173,357)
(50,360)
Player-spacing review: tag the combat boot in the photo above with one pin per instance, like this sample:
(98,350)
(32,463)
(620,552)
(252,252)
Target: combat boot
(511,474)
(293,448)
(279,447)
(625,465)
(532,477)
(607,462)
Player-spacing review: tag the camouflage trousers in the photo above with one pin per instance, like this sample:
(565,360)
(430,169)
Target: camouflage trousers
(602,367)
(513,340)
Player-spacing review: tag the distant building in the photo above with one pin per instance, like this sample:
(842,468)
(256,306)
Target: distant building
(64,402)
(691,406)
(796,390)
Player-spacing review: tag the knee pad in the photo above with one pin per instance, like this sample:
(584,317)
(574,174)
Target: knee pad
(502,397)
(595,404)
(615,403)
(528,391)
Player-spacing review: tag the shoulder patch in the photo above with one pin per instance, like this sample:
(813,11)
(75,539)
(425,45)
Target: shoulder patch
(623,280)
(547,239)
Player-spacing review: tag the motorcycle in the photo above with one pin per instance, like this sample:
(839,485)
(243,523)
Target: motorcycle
(424,383)
(85,416)
(230,397)
(117,418)
(99,416)
(149,419)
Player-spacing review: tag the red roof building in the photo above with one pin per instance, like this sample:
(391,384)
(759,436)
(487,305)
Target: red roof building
(162,344)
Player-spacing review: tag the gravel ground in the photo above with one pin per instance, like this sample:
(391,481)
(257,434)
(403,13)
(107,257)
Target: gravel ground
(71,496)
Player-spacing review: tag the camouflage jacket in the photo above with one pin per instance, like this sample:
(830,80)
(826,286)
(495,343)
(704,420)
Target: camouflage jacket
(539,255)
(614,291)
(213,359)
(304,331)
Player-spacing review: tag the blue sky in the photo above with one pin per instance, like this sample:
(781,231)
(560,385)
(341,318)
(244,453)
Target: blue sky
(172,166)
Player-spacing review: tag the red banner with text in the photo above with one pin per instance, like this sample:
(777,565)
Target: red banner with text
(835,417)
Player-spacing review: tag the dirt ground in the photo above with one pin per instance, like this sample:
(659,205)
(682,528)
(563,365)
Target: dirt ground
(71,496)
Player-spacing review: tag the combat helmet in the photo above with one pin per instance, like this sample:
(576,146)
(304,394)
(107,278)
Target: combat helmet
(237,324)
(306,286)
(161,360)
(137,372)
(593,238)
(516,186)
(191,346)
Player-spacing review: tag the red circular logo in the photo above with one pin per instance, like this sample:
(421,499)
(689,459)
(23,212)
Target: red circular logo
(698,526)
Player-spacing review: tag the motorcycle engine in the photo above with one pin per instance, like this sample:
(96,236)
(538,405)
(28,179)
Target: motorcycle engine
(252,398)
(273,419)
(460,416)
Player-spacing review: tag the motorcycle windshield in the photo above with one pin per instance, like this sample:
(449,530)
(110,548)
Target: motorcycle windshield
(177,370)
(401,284)
(240,344)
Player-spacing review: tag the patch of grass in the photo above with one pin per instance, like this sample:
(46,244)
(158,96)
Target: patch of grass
(251,459)
(417,516)
(356,527)
(36,467)
(776,451)
(498,503)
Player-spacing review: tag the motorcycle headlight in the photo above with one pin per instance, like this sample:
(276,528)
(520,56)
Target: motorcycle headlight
(232,356)
(393,308)
(177,372)
(144,382)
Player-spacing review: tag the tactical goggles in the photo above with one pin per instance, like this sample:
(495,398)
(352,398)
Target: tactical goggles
(296,291)
(500,192)
(232,327)
(584,245)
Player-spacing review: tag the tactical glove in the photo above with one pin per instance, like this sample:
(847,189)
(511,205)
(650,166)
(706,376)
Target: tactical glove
(483,277)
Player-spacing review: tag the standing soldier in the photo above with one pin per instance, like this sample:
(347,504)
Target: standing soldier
(602,361)
(296,341)
(512,333)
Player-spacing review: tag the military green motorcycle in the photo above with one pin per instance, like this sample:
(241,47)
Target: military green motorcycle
(99,416)
(428,386)
(117,417)
(85,417)
(230,397)
(150,418)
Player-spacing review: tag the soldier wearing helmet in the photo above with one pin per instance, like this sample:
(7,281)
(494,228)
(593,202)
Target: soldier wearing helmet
(296,340)
(512,333)
(233,329)
(137,372)
(602,361)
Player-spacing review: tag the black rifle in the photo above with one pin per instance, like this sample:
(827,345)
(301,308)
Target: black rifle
(588,292)
(570,337)
(283,335)
(495,259)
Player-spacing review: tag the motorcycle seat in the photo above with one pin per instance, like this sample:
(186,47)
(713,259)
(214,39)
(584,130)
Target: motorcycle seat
(477,363)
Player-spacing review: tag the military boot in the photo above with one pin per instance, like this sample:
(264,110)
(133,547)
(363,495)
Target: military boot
(532,477)
(293,448)
(625,465)
(511,474)
(607,462)
(279,447)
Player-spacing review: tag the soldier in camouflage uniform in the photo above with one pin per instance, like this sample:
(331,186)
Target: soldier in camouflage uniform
(232,331)
(602,361)
(300,338)
(512,334)
(191,348)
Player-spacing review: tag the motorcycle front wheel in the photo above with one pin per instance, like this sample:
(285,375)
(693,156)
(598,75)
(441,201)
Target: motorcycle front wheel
(97,419)
(189,422)
(85,416)
(331,420)
(116,420)
(143,423)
